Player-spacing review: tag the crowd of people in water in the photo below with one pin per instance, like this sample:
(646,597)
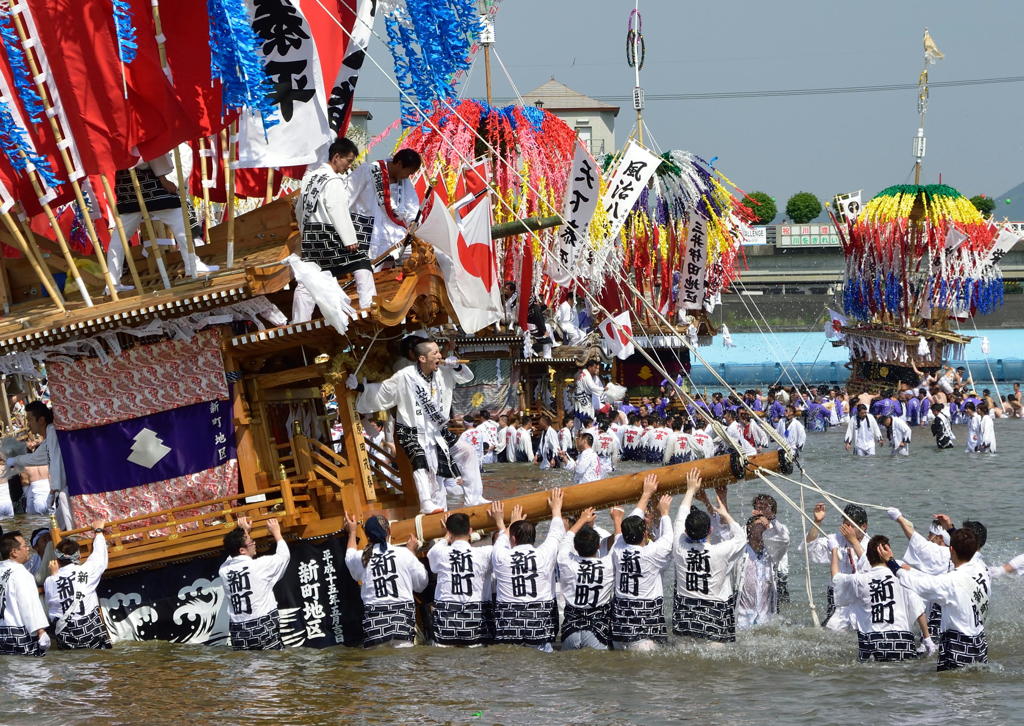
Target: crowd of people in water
(582,586)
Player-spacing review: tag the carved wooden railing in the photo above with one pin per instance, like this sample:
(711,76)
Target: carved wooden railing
(384,468)
(195,529)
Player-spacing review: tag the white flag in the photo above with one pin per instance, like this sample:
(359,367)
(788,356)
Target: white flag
(634,170)
(581,193)
(833,329)
(618,336)
(293,65)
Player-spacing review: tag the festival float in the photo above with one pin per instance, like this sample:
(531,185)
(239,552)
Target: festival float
(920,260)
(190,401)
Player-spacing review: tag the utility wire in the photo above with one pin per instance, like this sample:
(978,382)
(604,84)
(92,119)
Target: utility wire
(713,95)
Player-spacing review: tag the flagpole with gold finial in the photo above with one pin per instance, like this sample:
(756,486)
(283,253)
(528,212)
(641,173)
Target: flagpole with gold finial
(931,54)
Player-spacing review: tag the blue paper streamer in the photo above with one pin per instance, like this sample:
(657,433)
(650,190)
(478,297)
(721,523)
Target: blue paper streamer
(237,61)
(14,141)
(429,42)
(127,47)
(23,83)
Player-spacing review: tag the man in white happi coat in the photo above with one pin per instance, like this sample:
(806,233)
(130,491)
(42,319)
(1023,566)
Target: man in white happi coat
(422,395)
(899,435)
(963,593)
(884,612)
(70,593)
(792,430)
(383,202)
(254,623)
(22,619)
(586,467)
(328,236)
(489,428)
(862,432)
(819,549)
(547,454)
(158,187)
(589,390)
(45,494)
(461,615)
(704,597)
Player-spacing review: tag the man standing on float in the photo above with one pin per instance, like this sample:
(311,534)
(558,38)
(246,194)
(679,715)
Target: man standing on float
(383,203)
(422,397)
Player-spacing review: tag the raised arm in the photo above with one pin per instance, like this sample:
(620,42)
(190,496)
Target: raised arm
(819,517)
(650,489)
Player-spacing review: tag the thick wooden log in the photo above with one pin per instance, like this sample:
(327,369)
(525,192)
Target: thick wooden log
(600,494)
(522,226)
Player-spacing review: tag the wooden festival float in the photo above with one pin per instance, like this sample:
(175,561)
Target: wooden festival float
(920,259)
(190,401)
(161,581)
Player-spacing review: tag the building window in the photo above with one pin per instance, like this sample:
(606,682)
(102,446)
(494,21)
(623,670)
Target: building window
(586,134)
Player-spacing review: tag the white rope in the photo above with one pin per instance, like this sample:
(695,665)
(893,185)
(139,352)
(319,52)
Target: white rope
(620,275)
(991,373)
(819,489)
(807,566)
(803,527)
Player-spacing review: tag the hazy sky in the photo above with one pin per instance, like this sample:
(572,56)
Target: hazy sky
(822,143)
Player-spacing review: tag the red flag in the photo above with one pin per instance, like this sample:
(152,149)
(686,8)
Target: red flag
(82,50)
(187,27)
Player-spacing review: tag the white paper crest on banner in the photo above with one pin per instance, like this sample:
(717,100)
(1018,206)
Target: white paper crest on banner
(293,65)
(581,195)
(634,170)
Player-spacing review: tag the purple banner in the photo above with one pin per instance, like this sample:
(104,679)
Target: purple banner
(148,449)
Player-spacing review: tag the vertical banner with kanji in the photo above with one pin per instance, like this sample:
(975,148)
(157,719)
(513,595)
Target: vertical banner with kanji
(581,195)
(634,170)
(694,264)
(291,60)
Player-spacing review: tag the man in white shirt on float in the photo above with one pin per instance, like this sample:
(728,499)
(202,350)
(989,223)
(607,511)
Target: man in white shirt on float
(249,587)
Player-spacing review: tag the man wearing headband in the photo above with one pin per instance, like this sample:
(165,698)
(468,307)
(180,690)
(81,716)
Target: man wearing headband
(22,618)
(862,432)
(389,575)
(422,397)
(70,592)
(254,623)
(819,549)
(931,555)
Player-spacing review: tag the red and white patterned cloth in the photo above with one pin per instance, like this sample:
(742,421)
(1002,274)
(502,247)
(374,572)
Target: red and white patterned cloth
(202,486)
(143,380)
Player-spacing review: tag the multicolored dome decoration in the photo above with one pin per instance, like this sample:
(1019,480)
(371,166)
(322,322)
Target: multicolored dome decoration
(914,249)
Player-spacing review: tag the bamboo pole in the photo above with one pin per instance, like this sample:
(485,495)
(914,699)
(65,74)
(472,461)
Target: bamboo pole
(206,192)
(49,284)
(62,242)
(125,242)
(190,245)
(62,146)
(715,471)
(5,289)
(229,187)
(7,406)
(270,187)
(148,222)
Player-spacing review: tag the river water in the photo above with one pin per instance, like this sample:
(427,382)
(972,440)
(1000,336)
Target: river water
(791,673)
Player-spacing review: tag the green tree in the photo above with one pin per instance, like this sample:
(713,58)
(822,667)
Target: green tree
(984,204)
(762,205)
(802,207)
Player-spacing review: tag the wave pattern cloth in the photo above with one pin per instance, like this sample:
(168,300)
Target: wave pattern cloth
(143,380)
